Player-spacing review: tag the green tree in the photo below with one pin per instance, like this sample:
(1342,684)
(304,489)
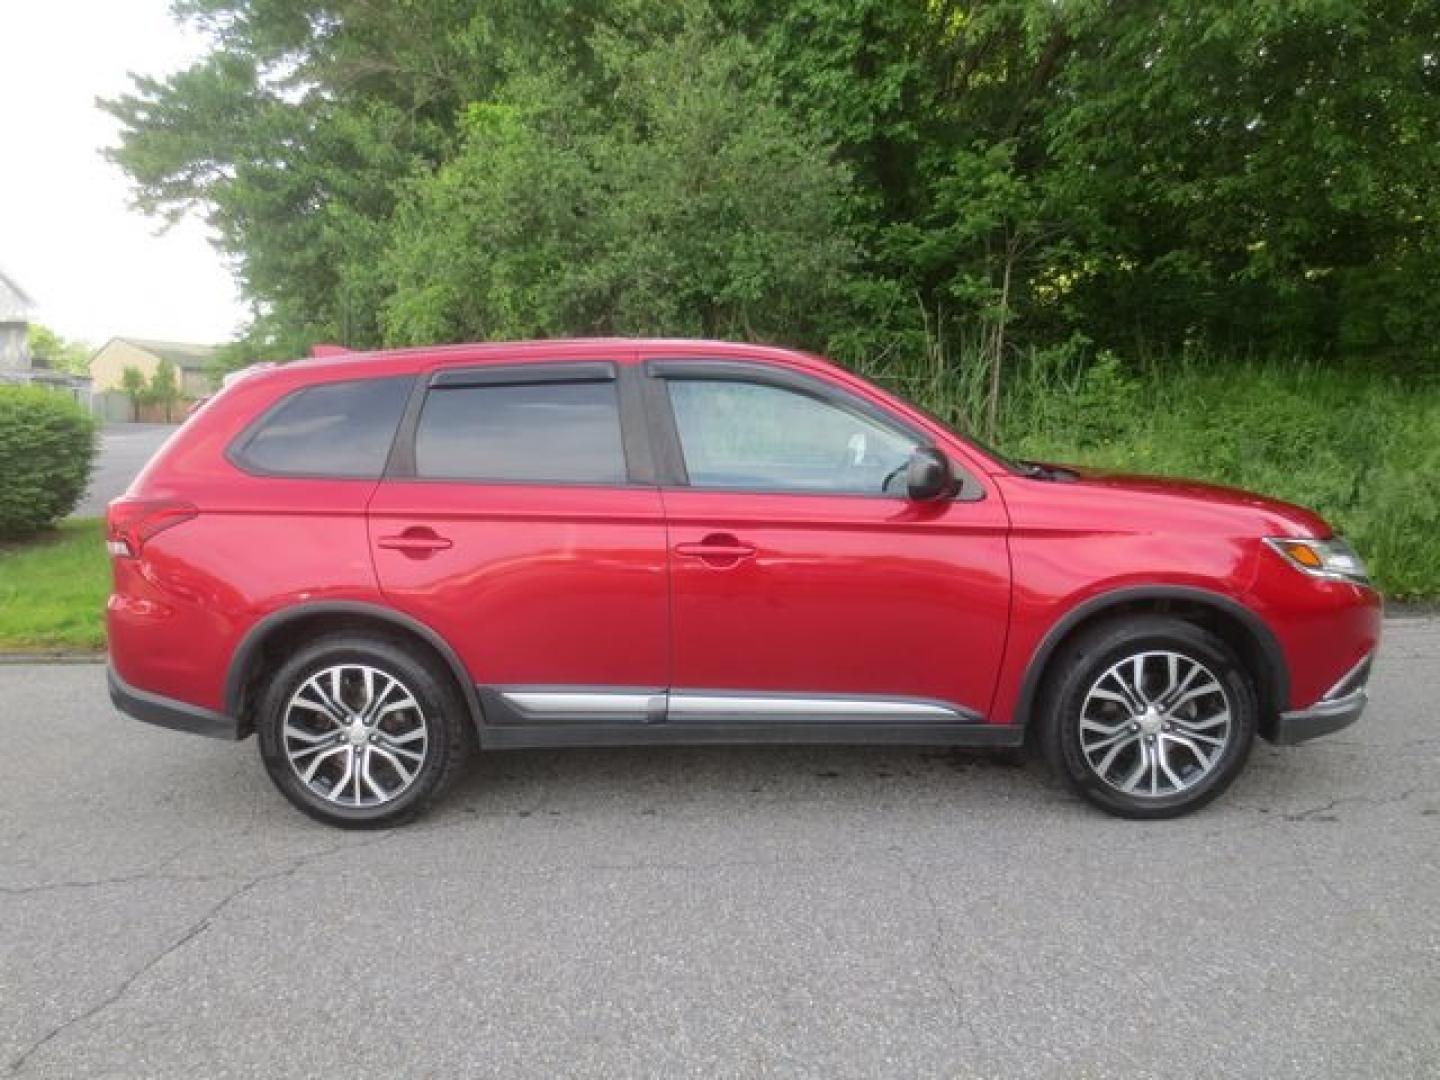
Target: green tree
(49,350)
(294,136)
(1011,173)
(691,204)
(136,388)
(164,388)
(1253,173)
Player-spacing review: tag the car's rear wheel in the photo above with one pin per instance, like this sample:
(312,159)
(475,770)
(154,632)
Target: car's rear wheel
(1149,717)
(361,731)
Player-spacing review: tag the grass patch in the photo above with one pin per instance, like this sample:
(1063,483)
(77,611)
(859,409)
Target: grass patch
(53,589)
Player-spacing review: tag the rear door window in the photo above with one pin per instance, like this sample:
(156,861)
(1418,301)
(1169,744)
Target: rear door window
(544,432)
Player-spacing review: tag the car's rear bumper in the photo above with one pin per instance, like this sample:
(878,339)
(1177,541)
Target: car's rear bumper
(167,712)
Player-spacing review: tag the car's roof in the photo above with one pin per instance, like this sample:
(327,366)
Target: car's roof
(493,352)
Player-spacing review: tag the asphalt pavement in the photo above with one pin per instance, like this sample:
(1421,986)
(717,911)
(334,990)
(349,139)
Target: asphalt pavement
(709,912)
(124,450)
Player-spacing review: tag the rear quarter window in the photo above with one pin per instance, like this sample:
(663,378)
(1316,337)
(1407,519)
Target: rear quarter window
(341,429)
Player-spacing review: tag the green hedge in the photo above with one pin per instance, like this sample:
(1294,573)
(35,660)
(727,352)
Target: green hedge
(47,448)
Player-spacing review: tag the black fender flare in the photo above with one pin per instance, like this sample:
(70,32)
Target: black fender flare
(1277,673)
(257,635)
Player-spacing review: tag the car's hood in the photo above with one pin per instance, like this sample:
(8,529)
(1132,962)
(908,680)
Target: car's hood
(1281,517)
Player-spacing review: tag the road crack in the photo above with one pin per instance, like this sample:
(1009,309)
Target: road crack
(1322,812)
(935,947)
(190,934)
(153,872)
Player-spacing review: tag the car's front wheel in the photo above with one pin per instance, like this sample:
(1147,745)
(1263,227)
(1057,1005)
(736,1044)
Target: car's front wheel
(1149,717)
(360,731)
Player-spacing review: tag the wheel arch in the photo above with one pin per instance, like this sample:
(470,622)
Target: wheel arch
(1241,628)
(305,620)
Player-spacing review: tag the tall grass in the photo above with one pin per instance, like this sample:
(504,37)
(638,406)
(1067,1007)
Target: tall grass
(1360,447)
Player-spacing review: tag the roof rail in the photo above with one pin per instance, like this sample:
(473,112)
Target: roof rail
(326,349)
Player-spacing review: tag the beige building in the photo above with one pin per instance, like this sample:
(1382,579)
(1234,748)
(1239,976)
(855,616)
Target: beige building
(107,370)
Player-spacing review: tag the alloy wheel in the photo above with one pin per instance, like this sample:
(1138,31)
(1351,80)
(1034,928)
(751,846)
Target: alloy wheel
(355,735)
(1155,724)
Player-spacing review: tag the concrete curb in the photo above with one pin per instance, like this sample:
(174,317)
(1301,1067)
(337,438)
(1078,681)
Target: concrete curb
(51,657)
(1412,610)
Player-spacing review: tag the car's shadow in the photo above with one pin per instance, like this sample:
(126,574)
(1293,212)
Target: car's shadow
(643,782)
(554,782)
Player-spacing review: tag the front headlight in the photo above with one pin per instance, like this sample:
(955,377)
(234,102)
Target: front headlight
(1333,559)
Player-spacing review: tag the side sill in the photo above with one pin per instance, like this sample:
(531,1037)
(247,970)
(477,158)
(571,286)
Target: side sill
(167,712)
(751,733)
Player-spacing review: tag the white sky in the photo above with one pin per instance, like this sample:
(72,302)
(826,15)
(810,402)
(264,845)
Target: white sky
(94,267)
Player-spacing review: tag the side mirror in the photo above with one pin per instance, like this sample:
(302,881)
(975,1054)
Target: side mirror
(928,475)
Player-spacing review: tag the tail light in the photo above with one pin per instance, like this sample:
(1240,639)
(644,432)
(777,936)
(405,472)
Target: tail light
(130,523)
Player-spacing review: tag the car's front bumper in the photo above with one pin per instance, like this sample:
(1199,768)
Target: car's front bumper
(1339,708)
(167,712)
(1322,718)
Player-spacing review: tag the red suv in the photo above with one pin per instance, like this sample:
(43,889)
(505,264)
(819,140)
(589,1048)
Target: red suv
(380,562)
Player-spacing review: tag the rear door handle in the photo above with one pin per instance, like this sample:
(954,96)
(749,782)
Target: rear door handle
(718,548)
(416,541)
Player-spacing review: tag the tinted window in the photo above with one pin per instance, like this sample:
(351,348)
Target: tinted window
(759,437)
(546,432)
(338,429)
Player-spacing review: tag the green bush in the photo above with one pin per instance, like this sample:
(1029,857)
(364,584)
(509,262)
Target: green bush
(47,447)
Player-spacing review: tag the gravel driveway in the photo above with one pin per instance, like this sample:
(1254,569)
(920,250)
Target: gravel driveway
(717,912)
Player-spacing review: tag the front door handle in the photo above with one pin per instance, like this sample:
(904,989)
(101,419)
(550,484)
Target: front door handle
(417,541)
(717,548)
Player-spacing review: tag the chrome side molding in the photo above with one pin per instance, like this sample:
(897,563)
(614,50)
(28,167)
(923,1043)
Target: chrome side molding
(596,703)
(691,706)
(688,704)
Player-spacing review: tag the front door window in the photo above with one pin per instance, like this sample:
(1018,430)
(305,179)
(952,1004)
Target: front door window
(750,436)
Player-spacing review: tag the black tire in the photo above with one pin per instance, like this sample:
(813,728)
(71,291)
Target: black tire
(1080,669)
(442,713)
